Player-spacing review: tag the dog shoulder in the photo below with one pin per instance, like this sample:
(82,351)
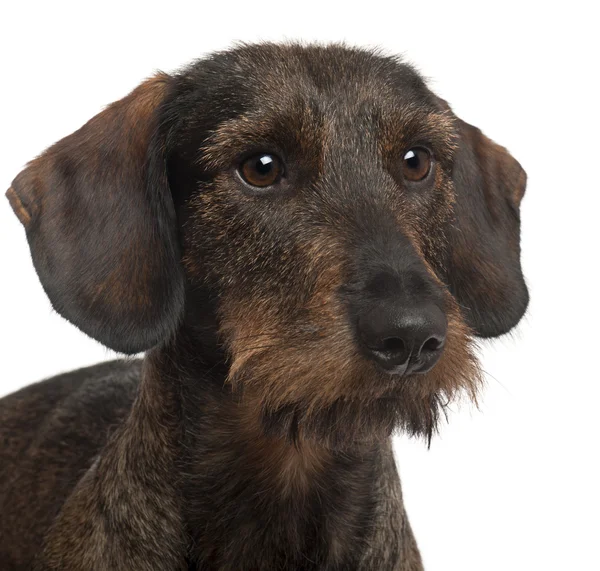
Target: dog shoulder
(50,411)
(50,433)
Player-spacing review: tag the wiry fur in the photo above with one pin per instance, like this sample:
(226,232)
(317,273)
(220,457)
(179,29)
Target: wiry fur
(256,432)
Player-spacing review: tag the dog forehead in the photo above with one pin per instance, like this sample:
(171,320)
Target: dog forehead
(332,74)
(335,76)
(305,99)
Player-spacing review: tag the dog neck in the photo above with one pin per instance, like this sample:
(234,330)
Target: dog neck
(246,493)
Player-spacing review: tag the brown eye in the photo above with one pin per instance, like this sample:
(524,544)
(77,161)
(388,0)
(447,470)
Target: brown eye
(416,164)
(261,170)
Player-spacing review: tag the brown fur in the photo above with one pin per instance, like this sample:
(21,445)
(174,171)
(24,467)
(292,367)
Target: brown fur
(255,435)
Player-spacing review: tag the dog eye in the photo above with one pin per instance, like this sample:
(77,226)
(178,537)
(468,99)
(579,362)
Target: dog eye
(416,164)
(261,170)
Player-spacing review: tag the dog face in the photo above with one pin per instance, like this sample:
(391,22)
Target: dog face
(342,232)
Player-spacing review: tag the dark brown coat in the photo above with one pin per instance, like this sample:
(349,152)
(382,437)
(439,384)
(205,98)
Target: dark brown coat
(255,433)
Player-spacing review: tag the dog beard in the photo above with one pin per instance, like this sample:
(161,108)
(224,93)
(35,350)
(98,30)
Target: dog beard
(318,386)
(385,404)
(348,423)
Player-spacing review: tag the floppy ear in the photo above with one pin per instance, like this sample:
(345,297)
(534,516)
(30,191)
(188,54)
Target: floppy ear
(101,224)
(484,268)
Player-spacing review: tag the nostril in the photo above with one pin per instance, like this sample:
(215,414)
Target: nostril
(393,345)
(431,345)
(429,354)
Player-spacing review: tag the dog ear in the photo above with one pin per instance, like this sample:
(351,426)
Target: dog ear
(101,226)
(484,268)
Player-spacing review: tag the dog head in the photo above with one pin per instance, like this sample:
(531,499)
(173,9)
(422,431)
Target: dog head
(341,231)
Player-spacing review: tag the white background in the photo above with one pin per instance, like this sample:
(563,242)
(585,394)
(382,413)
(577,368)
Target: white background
(513,485)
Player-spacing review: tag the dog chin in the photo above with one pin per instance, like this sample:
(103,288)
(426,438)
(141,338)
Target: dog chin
(346,424)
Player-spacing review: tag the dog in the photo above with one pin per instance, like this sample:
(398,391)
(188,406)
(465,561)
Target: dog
(305,241)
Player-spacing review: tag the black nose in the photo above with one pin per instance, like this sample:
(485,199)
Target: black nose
(403,340)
